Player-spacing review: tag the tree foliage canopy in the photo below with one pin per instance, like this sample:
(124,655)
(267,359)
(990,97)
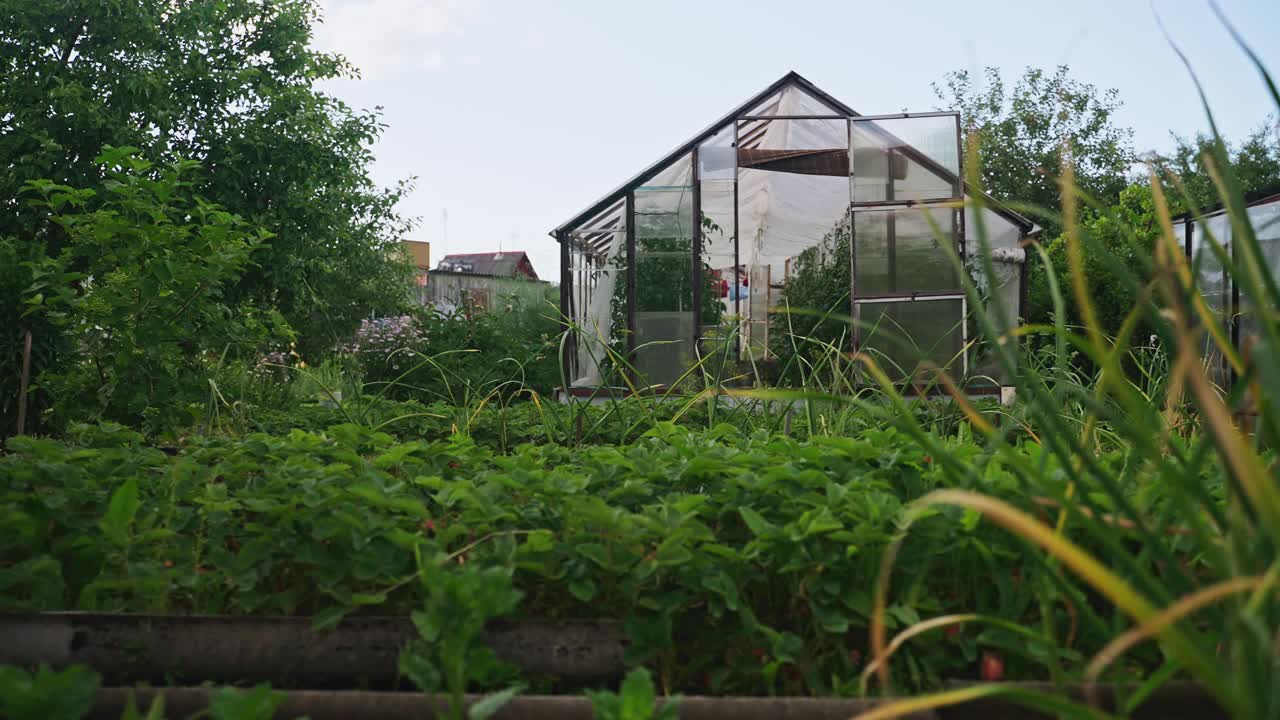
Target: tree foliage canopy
(231,85)
(1120,239)
(1023,128)
(1256,162)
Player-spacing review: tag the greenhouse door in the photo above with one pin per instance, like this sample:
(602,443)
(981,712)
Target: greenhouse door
(908,300)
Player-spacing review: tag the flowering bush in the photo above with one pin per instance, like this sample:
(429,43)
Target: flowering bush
(276,365)
(383,336)
(381,345)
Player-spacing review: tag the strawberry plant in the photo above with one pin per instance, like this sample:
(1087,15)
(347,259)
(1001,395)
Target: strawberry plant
(450,653)
(739,562)
(46,694)
(635,700)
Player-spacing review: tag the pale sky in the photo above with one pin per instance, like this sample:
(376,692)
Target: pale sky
(516,114)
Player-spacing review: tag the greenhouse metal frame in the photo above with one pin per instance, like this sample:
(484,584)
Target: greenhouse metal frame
(782,187)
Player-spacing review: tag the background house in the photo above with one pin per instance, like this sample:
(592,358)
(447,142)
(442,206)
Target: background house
(497,264)
(478,280)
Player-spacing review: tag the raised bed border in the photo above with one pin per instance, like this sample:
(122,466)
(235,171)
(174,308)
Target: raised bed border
(128,648)
(1174,702)
(347,705)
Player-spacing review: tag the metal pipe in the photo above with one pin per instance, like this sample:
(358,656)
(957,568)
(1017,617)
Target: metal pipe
(886,204)
(566,288)
(1173,701)
(737,260)
(909,297)
(902,116)
(854,308)
(1234,324)
(696,274)
(631,284)
(324,705)
(891,227)
(749,118)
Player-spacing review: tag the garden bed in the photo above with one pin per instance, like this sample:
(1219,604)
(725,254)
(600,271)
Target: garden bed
(362,652)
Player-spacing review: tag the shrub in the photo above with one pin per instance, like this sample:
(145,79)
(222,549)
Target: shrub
(141,290)
(450,356)
(22,288)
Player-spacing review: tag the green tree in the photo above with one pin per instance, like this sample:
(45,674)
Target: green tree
(18,270)
(1128,231)
(1023,129)
(231,85)
(1256,162)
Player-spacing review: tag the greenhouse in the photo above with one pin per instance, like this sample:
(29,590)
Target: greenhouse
(1233,308)
(756,241)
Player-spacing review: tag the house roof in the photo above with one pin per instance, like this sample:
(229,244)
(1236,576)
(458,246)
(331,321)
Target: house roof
(792,78)
(498,264)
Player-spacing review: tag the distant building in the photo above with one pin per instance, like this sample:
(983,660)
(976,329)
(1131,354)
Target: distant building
(479,280)
(499,264)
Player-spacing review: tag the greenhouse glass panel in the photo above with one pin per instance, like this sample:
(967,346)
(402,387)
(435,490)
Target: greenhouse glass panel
(1210,274)
(717,178)
(906,287)
(1265,220)
(905,159)
(664,274)
(1211,278)
(1001,293)
(901,335)
(900,251)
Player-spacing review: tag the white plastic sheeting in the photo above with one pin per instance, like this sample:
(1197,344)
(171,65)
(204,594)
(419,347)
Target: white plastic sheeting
(782,214)
(596,277)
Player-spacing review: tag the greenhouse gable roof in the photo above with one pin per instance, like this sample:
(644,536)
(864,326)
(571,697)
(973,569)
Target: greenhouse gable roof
(792,79)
